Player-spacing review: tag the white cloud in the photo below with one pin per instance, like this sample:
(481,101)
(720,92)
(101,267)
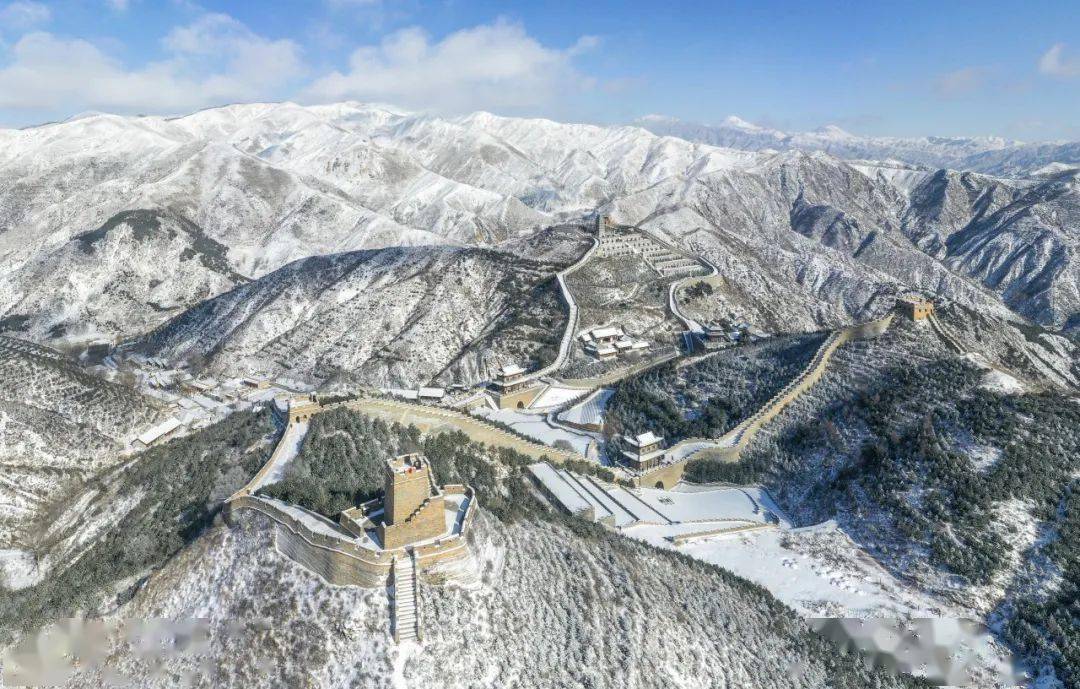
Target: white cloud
(119,5)
(214,60)
(488,66)
(23,15)
(249,64)
(961,82)
(1054,63)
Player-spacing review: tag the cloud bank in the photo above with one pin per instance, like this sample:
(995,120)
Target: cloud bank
(489,66)
(216,59)
(1054,63)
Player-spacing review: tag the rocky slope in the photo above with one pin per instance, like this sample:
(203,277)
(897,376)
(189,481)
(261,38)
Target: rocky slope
(267,621)
(145,217)
(59,426)
(949,471)
(387,317)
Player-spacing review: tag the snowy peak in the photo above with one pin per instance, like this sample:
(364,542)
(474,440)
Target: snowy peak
(992,155)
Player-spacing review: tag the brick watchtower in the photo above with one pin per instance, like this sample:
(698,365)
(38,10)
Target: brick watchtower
(915,307)
(412,505)
(407,484)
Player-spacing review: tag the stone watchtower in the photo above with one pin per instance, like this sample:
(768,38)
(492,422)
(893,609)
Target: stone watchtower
(915,307)
(412,504)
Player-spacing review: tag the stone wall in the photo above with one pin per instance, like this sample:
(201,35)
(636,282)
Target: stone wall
(341,562)
(336,560)
(729,447)
(519,399)
(477,429)
(428,521)
(404,492)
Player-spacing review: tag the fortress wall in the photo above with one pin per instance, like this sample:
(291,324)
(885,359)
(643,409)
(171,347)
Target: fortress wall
(333,566)
(743,433)
(477,429)
(343,563)
(428,521)
(521,397)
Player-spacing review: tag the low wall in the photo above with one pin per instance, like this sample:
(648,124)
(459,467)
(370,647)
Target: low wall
(687,537)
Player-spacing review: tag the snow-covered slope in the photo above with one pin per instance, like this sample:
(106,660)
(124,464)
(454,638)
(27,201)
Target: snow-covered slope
(59,424)
(551,610)
(402,316)
(147,216)
(992,155)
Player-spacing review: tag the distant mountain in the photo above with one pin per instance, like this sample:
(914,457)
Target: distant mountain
(991,155)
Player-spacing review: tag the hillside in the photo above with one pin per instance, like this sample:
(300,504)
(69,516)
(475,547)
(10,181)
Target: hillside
(949,472)
(59,426)
(424,314)
(146,216)
(991,155)
(264,619)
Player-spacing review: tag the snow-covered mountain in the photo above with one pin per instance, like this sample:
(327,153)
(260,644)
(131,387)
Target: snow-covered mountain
(258,186)
(991,155)
(426,313)
(111,226)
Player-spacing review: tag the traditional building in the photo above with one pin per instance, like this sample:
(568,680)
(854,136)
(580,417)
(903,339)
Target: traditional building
(713,336)
(430,394)
(609,342)
(512,388)
(915,307)
(606,335)
(643,452)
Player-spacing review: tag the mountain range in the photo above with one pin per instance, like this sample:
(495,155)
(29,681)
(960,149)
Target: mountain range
(118,229)
(989,154)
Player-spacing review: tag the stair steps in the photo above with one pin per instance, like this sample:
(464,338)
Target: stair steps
(406,618)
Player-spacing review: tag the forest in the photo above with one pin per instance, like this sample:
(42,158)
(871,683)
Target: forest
(711,396)
(182,484)
(905,446)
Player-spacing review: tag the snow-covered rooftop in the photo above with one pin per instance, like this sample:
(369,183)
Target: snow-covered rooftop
(167,426)
(511,370)
(644,439)
(602,333)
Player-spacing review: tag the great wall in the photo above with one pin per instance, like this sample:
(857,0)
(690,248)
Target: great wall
(729,446)
(340,557)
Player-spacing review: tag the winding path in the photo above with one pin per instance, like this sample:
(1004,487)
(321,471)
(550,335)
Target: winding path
(673,302)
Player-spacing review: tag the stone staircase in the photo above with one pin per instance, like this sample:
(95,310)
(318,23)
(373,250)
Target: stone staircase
(406,616)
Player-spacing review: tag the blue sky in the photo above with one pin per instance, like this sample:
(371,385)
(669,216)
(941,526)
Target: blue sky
(919,68)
